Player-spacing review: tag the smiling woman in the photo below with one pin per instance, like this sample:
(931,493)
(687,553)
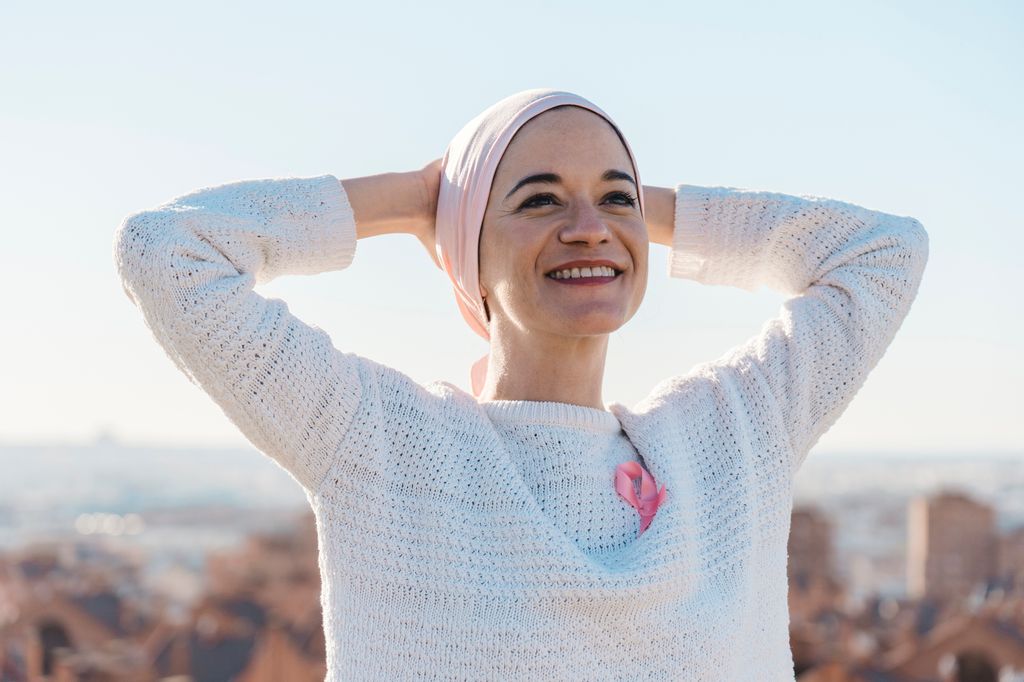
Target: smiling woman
(548,338)
(498,535)
(490,174)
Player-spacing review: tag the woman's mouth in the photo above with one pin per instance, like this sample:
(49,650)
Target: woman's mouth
(586,277)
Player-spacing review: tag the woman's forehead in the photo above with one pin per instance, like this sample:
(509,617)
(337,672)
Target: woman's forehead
(561,123)
(580,143)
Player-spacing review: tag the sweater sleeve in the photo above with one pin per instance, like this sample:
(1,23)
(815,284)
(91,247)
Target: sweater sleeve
(851,273)
(190,266)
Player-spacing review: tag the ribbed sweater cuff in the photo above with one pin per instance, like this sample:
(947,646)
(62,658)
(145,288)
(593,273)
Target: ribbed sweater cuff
(338,238)
(690,236)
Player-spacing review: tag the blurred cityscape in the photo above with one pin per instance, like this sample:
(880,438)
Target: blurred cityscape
(175,565)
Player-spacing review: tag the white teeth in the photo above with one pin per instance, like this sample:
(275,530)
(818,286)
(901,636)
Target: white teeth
(578,273)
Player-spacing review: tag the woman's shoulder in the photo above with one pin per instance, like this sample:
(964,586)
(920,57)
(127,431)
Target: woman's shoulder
(395,393)
(678,389)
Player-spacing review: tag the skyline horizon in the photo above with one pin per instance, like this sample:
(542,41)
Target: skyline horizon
(106,437)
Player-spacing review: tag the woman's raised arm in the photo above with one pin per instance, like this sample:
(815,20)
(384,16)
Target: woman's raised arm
(191,265)
(397,203)
(659,213)
(852,274)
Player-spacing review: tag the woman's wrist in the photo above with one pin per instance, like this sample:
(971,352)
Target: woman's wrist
(660,213)
(387,203)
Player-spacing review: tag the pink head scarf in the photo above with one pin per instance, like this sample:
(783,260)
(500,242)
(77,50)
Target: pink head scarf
(467,170)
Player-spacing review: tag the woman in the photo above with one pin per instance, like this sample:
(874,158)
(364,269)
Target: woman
(489,536)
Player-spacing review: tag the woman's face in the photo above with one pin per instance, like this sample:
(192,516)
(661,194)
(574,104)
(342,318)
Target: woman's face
(563,191)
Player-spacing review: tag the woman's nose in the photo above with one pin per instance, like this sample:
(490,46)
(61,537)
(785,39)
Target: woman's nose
(586,224)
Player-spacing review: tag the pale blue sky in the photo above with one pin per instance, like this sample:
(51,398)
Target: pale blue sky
(912,108)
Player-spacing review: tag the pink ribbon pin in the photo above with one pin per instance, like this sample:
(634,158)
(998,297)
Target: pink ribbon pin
(650,497)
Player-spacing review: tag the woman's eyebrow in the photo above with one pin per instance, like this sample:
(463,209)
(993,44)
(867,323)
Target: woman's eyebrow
(618,175)
(539,177)
(555,178)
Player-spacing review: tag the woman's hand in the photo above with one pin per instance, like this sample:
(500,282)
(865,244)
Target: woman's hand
(390,203)
(425,229)
(660,209)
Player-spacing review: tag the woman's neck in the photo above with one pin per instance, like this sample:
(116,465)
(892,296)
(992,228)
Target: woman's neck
(562,370)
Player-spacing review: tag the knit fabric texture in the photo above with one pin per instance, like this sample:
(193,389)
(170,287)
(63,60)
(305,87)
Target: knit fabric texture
(485,541)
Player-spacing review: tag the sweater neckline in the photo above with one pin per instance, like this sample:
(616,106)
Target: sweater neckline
(551,414)
(680,487)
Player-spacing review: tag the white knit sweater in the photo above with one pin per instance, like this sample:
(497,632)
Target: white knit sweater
(485,541)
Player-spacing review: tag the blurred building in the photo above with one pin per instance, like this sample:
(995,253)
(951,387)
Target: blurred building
(1011,560)
(811,555)
(951,546)
(814,588)
(817,632)
(65,619)
(984,644)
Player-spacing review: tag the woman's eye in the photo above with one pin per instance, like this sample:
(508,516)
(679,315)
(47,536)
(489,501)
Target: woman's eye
(531,202)
(624,199)
(628,199)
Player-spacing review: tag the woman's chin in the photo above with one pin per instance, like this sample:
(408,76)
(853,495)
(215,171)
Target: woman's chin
(590,325)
